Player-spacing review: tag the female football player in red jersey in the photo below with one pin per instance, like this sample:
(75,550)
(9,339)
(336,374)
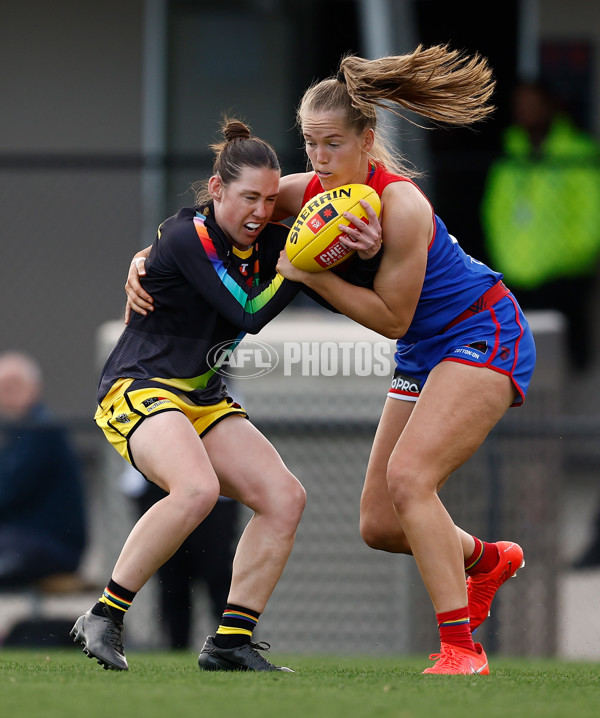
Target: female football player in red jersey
(465,352)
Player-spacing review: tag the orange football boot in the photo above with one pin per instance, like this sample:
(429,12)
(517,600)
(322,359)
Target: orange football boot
(453,660)
(482,587)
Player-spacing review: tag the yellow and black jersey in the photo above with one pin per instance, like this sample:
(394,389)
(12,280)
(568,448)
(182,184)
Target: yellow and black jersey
(206,298)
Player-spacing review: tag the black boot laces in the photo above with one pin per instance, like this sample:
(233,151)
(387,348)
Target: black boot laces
(261,646)
(114,634)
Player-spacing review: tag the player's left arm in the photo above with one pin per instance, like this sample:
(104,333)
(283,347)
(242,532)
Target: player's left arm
(388,308)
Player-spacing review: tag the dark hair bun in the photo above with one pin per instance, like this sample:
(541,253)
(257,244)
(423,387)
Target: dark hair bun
(235,130)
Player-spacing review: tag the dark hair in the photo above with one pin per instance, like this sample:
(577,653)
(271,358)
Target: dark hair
(436,83)
(238,150)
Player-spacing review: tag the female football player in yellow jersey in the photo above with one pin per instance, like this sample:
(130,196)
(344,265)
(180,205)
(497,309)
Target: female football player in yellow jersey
(164,407)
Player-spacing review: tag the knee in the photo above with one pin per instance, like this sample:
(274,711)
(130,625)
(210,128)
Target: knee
(285,505)
(381,537)
(407,488)
(294,501)
(372,534)
(196,501)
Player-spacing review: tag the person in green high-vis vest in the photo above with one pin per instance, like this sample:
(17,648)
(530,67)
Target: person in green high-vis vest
(541,214)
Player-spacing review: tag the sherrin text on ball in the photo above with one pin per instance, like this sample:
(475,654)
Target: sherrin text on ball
(313,243)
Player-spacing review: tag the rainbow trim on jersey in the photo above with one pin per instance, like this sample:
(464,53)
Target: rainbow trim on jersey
(200,382)
(239,293)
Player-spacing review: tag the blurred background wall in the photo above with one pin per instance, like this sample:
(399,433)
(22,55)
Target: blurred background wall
(108,108)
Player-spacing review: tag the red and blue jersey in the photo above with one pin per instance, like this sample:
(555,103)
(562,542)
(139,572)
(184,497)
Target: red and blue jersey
(452,322)
(453,279)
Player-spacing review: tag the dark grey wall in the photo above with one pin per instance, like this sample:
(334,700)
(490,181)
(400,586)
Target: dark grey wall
(71,76)
(70,85)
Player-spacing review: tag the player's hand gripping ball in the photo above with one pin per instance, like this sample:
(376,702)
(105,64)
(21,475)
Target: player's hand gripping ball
(313,243)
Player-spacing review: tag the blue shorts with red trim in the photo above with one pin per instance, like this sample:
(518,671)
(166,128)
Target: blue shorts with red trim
(497,338)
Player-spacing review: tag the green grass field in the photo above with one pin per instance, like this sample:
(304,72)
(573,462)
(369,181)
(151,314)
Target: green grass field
(61,683)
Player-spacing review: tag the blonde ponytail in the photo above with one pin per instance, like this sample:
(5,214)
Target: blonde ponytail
(435,83)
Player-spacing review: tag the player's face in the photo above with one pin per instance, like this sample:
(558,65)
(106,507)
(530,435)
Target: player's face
(338,155)
(243,207)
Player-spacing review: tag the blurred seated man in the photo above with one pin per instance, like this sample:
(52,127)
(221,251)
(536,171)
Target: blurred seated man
(42,510)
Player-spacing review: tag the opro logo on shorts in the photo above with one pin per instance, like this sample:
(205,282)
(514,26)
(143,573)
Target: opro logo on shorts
(404,384)
(249,360)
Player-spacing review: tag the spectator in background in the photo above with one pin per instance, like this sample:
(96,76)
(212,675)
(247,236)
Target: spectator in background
(42,510)
(205,556)
(541,214)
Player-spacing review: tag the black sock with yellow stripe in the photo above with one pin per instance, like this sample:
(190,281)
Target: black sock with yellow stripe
(236,627)
(116,598)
